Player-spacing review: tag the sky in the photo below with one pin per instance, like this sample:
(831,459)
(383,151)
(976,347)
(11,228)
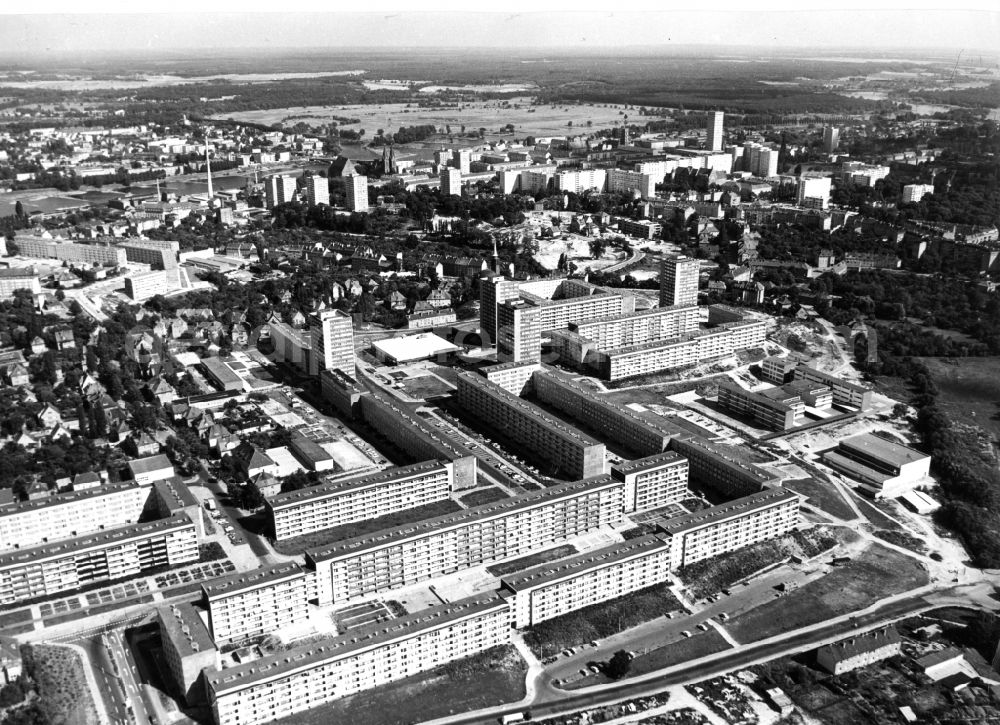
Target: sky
(57,26)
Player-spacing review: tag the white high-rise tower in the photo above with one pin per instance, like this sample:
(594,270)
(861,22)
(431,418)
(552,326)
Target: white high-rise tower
(713,135)
(208,166)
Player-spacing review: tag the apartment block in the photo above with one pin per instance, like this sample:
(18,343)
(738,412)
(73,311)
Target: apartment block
(571,451)
(142,286)
(581,180)
(777,370)
(370,496)
(393,558)
(634,328)
(519,332)
(679,281)
(703,534)
(92,254)
(279,189)
(844,392)
(418,439)
(725,468)
(188,649)
(342,391)
(774,408)
(553,589)
(305,677)
(317,190)
(451,182)
(332,335)
(621,181)
(514,377)
(654,481)
(912,193)
(107,555)
(252,603)
(859,651)
(357,192)
(646,435)
(62,515)
(291,344)
(12,280)
(641,229)
(713,131)
(493,292)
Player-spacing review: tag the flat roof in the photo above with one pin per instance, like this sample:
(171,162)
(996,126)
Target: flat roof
(652,312)
(175,492)
(362,638)
(94,540)
(60,499)
(806,386)
(227,586)
(731,509)
(218,369)
(310,449)
(150,464)
(181,624)
(427,527)
(577,565)
(884,450)
(648,463)
(831,380)
(567,432)
(452,448)
(336,488)
(414,347)
(687,338)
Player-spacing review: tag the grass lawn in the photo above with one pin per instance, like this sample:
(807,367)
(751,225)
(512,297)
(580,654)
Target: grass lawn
(698,645)
(878,519)
(483,496)
(600,620)
(425,386)
(713,575)
(491,678)
(299,544)
(526,562)
(969,389)
(823,496)
(877,573)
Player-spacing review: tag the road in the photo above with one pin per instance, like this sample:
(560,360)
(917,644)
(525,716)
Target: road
(634,258)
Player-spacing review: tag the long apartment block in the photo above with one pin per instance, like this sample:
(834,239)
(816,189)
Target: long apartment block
(356,499)
(63,515)
(70,251)
(252,603)
(703,534)
(415,437)
(306,677)
(105,556)
(575,453)
(617,422)
(844,392)
(722,467)
(553,589)
(659,323)
(654,481)
(393,558)
(773,408)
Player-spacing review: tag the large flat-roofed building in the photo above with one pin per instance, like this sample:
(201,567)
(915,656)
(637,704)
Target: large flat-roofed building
(188,649)
(885,468)
(357,499)
(777,369)
(342,391)
(703,534)
(724,468)
(514,377)
(310,453)
(311,675)
(653,481)
(634,328)
(570,450)
(393,558)
(774,408)
(93,254)
(844,392)
(519,332)
(251,603)
(153,468)
(107,555)
(643,434)
(418,439)
(221,374)
(12,280)
(410,348)
(815,395)
(332,336)
(28,523)
(679,281)
(551,590)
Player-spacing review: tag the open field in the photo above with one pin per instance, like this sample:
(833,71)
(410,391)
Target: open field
(490,678)
(492,115)
(969,389)
(823,496)
(877,573)
(700,644)
(299,544)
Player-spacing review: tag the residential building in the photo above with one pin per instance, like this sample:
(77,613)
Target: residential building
(332,335)
(860,650)
(451,182)
(578,181)
(15,279)
(360,498)
(713,131)
(258,602)
(679,281)
(622,181)
(654,481)
(317,190)
(493,292)
(703,534)
(357,192)
(305,677)
(813,191)
(659,323)
(912,193)
(514,377)
(844,393)
(559,587)
(777,370)
(519,332)
(393,558)
(291,344)
(885,469)
(279,189)
(643,228)
(89,254)
(831,138)
(342,391)
(727,469)
(154,468)
(774,408)
(142,286)
(187,649)
(562,446)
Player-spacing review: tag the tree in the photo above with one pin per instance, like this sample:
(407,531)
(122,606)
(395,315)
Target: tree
(619,665)
(19,210)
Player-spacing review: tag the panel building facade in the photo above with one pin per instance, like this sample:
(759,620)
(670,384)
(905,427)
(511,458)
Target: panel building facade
(258,602)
